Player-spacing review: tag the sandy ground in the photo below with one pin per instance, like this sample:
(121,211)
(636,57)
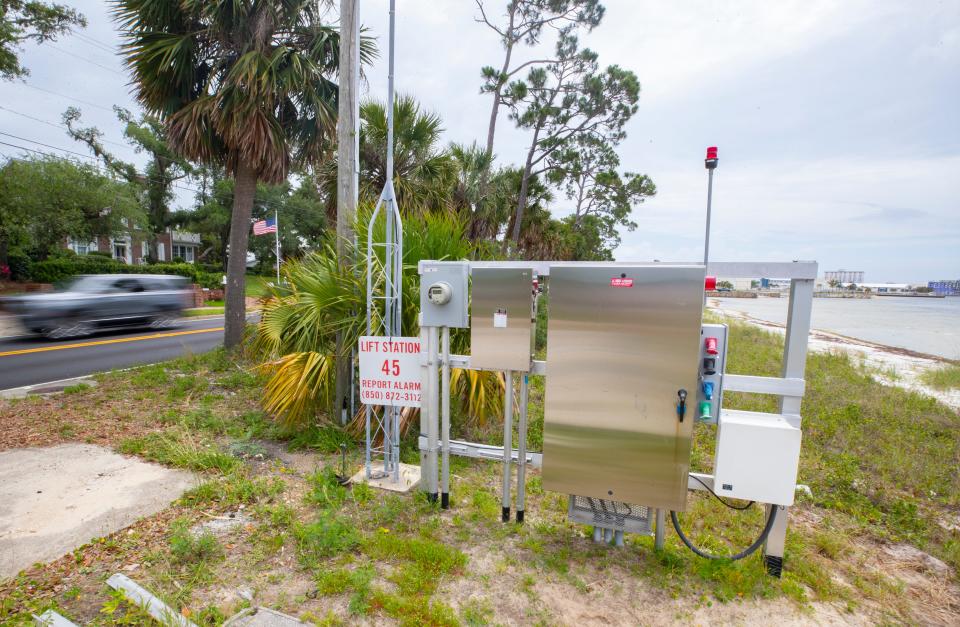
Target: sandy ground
(53,500)
(889,365)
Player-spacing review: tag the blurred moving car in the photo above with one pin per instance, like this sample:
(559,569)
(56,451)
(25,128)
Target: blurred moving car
(92,302)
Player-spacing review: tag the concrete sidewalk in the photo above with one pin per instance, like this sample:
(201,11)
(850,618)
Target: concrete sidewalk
(53,500)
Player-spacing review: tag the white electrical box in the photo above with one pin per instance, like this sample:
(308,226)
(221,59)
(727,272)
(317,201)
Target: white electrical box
(757,457)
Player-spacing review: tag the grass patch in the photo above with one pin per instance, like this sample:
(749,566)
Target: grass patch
(324,538)
(179,448)
(77,388)
(945,378)
(202,311)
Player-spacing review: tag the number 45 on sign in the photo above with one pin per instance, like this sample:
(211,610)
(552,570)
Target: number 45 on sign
(390,371)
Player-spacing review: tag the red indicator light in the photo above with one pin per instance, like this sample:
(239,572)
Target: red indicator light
(710,345)
(710,283)
(712,152)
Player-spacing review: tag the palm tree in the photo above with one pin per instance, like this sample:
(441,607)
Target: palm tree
(246,85)
(424,173)
(296,334)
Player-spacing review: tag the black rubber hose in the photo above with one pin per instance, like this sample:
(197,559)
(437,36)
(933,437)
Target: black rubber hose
(739,556)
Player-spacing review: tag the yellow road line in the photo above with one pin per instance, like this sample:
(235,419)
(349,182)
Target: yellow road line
(102,342)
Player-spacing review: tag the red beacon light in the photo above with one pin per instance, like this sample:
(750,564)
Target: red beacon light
(711,161)
(710,283)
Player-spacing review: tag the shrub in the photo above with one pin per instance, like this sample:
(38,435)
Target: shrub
(54,270)
(19,264)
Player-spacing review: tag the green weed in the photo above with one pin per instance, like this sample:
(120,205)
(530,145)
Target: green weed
(322,539)
(178,448)
(945,378)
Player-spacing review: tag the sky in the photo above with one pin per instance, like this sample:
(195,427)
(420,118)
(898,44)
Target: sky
(838,123)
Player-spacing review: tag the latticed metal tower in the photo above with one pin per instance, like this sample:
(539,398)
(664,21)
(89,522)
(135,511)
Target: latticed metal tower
(384,294)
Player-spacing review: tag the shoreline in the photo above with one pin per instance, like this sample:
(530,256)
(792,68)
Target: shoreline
(888,365)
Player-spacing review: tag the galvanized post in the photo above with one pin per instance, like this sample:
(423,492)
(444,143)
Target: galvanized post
(522,447)
(507,442)
(445,418)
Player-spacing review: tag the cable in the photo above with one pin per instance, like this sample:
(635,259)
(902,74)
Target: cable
(719,498)
(90,41)
(33,141)
(56,125)
(90,61)
(86,102)
(737,556)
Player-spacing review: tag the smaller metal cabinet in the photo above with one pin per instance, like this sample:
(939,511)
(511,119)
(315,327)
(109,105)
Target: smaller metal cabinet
(501,319)
(443,293)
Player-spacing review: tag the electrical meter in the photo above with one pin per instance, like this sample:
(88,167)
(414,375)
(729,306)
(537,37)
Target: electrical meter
(443,293)
(439,293)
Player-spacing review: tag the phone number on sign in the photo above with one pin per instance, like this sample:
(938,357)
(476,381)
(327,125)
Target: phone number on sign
(379,395)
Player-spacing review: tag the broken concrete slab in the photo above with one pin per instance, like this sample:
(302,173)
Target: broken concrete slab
(53,500)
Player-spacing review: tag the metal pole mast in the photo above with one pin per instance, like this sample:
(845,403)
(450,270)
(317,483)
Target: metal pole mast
(384,278)
(276,223)
(711,164)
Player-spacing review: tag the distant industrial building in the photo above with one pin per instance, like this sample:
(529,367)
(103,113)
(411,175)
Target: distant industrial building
(946,288)
(844,276)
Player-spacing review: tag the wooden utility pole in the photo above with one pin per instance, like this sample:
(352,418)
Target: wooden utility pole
(347,184)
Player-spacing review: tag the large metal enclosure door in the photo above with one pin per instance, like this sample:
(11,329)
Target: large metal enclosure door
(622,341)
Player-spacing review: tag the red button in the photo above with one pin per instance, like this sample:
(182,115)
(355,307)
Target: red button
(710,345)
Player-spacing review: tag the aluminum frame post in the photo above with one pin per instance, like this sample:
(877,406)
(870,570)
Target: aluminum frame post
(424,408)
(659,530)
(445,418)
(507,442)
(434,402)
(794,366)
(522,447)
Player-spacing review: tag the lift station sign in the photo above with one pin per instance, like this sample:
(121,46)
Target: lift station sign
(390,371)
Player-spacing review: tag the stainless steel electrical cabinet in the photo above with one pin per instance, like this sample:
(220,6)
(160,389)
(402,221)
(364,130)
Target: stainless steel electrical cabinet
(501,312)
(623,348)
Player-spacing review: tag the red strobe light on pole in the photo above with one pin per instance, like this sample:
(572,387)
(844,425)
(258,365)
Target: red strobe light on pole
(711,161)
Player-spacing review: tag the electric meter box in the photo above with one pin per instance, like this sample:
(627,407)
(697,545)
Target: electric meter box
(444,294)
(501,319)
(757,457)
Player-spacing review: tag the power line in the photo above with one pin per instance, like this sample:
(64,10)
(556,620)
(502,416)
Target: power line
(102,169)
(86,102)
(33,141)
(93,42)
(90,61)
(96,165)
(57,125)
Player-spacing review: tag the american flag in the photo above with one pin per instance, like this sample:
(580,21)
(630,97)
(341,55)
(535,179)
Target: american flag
(262,227)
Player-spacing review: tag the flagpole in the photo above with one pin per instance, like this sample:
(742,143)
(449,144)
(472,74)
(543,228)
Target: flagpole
(276,224)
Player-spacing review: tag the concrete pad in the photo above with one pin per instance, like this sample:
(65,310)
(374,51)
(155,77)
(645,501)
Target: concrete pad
(409,478)
(53,500)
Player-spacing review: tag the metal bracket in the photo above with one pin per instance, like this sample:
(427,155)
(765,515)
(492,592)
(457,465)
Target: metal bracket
(488,452)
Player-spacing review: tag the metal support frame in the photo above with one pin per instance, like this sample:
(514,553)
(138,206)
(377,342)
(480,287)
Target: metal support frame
(790,387)
(384,283)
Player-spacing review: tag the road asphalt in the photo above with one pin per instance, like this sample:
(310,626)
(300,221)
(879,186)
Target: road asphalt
(29,360)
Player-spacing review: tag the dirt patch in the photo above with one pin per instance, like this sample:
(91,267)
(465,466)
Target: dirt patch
(55,499)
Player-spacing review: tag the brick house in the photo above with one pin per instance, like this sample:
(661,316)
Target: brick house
(134,249)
